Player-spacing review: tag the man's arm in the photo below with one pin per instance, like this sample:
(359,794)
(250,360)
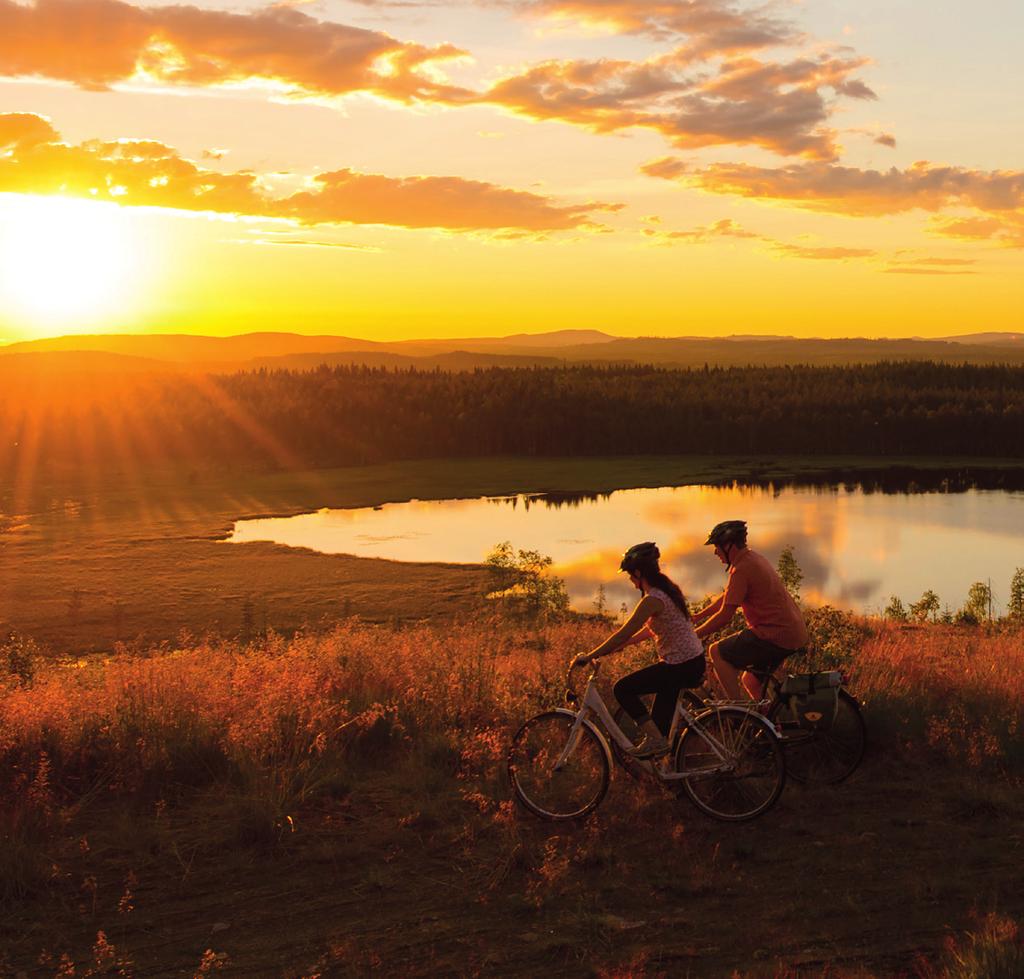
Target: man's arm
(721,618)
(710,609)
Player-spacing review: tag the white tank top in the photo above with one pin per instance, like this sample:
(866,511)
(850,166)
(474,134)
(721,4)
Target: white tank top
(673,632)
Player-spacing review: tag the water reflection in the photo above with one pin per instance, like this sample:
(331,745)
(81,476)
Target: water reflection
(856,545)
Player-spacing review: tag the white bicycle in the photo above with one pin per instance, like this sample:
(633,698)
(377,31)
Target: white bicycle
(728,759)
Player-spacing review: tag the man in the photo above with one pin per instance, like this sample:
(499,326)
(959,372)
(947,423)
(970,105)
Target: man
(775,626)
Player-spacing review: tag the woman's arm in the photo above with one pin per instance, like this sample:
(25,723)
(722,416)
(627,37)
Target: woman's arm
(646,607)
(644,634)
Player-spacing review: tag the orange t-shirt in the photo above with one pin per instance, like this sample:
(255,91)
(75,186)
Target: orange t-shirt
(770,611)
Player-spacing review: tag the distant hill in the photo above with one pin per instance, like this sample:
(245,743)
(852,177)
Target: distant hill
(79,362)
(990,339)
(456,360)
(186,347)
(294,351)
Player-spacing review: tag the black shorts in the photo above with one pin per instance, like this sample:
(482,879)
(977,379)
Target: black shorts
(747,651)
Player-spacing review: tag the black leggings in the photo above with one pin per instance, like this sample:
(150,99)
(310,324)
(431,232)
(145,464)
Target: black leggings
(664,680)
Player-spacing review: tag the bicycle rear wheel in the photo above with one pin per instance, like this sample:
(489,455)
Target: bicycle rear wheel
(823,757)
(748,781)
(556,772)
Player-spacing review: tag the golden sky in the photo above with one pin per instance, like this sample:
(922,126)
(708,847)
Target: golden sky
(406,168)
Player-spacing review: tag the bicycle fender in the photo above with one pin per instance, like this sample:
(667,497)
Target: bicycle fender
(744,710)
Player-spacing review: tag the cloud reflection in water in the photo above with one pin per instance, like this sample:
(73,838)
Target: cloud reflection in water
(855,548)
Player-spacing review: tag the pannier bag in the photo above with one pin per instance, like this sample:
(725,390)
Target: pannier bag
(813,698)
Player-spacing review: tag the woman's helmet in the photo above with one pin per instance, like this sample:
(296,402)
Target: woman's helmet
(728,532)
(640,556)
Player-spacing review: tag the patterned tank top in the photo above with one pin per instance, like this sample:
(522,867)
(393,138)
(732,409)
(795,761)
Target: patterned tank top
(673,632)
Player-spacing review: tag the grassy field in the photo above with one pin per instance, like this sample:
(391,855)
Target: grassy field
(335,804)
(127,556)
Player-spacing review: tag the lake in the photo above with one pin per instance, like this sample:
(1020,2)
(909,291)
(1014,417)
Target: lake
(855,547)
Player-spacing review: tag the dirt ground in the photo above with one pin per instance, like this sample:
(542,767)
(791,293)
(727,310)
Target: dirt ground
(867,876)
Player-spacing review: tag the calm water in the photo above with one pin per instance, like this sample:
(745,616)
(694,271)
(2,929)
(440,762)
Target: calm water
(855,548)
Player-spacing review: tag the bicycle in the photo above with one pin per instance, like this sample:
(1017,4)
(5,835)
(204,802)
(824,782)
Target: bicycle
(728,759)
(825,755)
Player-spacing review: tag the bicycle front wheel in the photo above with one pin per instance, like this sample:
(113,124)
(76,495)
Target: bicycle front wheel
(748,780)
(557,770)
(823,757)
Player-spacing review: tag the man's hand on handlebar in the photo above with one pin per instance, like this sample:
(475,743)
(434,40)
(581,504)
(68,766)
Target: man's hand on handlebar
(582,660)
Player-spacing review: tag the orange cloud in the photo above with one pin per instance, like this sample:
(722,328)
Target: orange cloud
(1006,229)
(432,202)
(727,228)
(705,91)
(148,173)
(711,25)
(901,270)
(826,252)
(777,106)
(851,191)
(817,186)
(97,43)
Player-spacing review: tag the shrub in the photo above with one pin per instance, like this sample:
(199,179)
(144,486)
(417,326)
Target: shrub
(523,581)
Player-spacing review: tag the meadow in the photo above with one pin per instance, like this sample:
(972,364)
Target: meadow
(334,803)
(265,761)
(130,553)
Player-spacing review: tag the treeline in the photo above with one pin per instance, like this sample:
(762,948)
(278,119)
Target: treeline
(349,415)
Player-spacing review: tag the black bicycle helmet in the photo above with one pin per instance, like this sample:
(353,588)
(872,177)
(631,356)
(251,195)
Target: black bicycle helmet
(640,556)
(728,532)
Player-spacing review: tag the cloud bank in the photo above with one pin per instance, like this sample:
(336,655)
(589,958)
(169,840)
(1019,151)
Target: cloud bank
(712,87)
(149,173)
(827,187)
(97,43)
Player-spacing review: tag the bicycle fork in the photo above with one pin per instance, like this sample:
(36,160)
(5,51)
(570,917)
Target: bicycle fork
(571,742)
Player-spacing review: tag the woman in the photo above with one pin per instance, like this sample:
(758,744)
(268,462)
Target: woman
(660,614)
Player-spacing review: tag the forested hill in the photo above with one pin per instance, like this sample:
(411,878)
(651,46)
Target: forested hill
(291,351)
(346,415)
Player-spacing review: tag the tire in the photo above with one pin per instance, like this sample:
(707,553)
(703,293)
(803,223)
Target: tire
(823,757)
(753,783)
(571,792)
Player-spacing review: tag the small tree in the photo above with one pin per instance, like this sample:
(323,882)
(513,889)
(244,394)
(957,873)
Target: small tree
(1016,609)
(18,657)
(979,602)
(926,607)
(601,602)
(895,610)
(523,578)
(790,573)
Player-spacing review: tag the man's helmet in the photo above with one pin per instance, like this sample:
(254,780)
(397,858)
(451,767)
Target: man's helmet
(640,556)
(729,532)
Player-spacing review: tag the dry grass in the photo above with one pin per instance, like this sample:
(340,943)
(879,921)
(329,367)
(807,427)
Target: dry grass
(185,762)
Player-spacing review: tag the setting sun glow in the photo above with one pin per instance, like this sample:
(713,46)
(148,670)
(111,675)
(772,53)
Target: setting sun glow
(65,262)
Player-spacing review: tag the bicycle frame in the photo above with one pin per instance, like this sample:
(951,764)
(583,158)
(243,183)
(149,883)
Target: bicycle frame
(593,705)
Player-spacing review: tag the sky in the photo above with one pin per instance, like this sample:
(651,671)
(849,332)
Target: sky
(391,169)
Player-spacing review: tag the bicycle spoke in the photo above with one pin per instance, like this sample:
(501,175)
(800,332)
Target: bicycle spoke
(753,774)
(556,772)
(827,756)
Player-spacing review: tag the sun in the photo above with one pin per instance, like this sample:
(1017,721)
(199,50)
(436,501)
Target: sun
(65,263)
